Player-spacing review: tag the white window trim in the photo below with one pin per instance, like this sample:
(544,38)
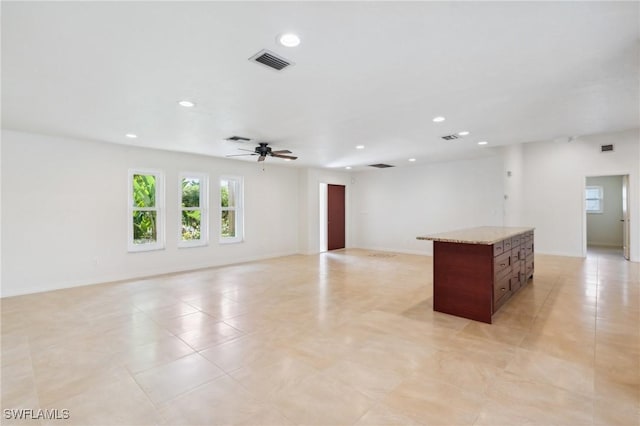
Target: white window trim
(601,198)
(239,209)
(160,219)
(204,208)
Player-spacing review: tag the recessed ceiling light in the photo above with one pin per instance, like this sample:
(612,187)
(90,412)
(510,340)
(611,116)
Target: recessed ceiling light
(465,133)
(483,143)
(131,135)
(348,167)
(438,119)
(187,104)
(359,146)
(289,39)
(412,159)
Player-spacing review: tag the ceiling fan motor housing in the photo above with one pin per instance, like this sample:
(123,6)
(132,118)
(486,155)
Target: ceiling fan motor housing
(263,149)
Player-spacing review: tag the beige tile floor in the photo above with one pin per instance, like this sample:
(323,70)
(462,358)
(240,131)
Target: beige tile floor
(342,338)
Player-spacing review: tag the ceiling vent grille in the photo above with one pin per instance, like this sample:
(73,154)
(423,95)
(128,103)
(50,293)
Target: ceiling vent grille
(271,60)
(238,139)
(450,137)
(381,166)
(606,148)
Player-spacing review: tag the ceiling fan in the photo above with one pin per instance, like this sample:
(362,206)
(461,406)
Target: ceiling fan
(263,150)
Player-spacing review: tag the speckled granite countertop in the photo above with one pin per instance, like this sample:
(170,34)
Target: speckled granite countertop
(481,235)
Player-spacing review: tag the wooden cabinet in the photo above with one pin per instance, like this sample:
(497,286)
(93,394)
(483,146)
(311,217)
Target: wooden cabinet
(474,279)
(520,267)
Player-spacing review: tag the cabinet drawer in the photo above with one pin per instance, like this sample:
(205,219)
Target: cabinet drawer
(529,268)
(498,248)
(501,289)
(507,244)
(515,283)
(502,274)
(516,255)
(515,241)
(502,262)
(528,250)
(516,270)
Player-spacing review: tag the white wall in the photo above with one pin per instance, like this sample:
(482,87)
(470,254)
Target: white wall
(605,229)
(64,212)
(554,182)
(393,206)
(513,175)
(0,218)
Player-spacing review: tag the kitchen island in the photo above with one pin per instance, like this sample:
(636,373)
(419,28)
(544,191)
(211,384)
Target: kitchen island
(476,270)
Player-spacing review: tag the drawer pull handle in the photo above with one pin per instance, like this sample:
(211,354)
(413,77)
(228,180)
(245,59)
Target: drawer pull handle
(503,289)
(502,264)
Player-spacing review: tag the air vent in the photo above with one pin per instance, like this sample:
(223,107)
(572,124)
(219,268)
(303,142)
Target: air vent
(238,139)
(381,166)
(450,137)
(271,60)
(606,148)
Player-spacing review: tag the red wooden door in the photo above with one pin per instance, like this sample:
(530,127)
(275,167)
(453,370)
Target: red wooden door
(335,217)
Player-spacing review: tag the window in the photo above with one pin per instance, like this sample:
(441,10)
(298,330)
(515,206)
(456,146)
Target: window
(146,202)
(193,210)
(231,229)
(593,199)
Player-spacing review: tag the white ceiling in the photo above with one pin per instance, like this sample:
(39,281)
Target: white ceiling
(370,73)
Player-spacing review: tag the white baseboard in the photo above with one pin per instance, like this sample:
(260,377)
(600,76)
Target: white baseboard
(611,245)
(145,274)
(396,250)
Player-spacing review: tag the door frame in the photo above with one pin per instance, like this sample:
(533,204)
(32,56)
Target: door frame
(627,219)
(339,195)
(322,215)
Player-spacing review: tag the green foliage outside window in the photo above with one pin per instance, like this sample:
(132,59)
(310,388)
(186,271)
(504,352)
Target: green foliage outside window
(224,194)
(227,218)
(144,221)
(191,219)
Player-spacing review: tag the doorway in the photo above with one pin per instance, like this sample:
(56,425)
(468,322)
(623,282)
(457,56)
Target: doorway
(607,214)
(335,217)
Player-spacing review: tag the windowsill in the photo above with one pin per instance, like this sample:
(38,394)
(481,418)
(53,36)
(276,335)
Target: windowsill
(144,249)
(231,241)
(192,245)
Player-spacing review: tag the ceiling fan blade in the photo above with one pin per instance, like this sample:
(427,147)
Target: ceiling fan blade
(261,158)
(288,157)
(248,150)
(282,151)
(239,155)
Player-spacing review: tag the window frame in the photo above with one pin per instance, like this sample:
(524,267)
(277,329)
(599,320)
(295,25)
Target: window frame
(159,209)
(238,208)
(600,199)
(204,210)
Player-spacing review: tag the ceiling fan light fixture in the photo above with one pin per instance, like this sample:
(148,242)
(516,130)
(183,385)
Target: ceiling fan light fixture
(289,39)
